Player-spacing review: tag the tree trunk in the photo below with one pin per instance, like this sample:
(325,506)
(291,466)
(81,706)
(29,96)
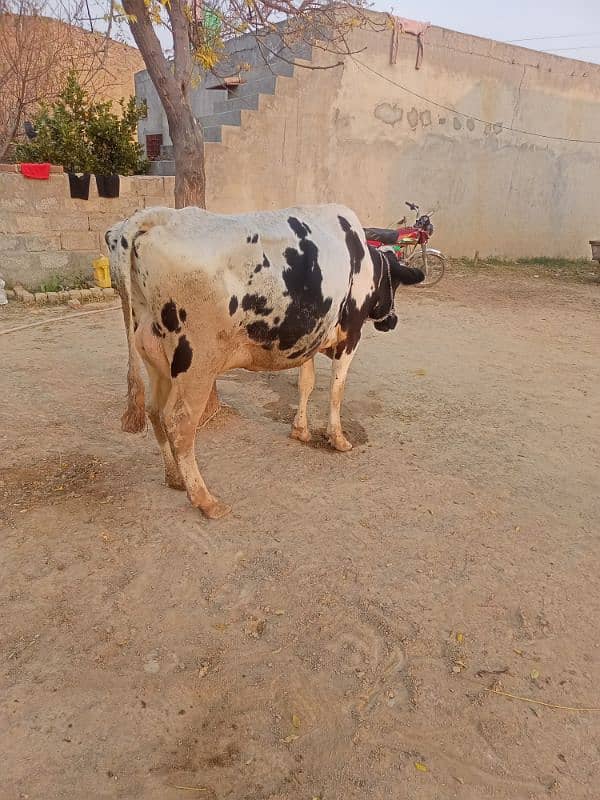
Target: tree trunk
(188,147)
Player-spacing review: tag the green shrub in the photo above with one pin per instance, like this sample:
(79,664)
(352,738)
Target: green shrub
(86,136)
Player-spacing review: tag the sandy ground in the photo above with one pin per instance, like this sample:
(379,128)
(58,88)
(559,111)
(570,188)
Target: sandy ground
(338,635)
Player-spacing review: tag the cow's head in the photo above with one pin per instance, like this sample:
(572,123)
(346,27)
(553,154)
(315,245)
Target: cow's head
(388,273)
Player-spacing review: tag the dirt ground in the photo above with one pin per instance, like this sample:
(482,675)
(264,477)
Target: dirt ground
(345,633)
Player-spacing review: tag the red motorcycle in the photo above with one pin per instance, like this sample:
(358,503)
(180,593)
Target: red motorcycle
(410,245)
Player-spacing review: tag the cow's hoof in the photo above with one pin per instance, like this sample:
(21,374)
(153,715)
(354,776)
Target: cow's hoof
(175,482)
(302,434)
(339,443)
(216,510)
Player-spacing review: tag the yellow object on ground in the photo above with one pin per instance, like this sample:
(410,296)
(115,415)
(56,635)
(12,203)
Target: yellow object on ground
(102,272)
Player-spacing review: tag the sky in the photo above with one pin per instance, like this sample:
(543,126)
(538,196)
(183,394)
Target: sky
(569,28)
(576,22)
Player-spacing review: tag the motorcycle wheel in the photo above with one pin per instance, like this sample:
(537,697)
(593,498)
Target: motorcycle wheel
(432,265)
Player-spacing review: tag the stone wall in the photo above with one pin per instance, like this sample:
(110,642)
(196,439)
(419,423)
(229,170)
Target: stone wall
(45,233)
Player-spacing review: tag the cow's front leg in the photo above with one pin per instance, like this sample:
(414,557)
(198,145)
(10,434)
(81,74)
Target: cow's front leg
(339,372)
(306,383)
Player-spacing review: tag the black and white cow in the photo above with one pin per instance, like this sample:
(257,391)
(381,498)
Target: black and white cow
(204,293)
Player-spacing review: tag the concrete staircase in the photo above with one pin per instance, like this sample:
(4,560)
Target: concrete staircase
(217,105)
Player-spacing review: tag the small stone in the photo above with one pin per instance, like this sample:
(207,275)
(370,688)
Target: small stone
(86,295)
(204,668)
(255,627)
(52,298)
(74,303)
(27,298)
(63,297)
(75,294)
(108,292)
(41,298)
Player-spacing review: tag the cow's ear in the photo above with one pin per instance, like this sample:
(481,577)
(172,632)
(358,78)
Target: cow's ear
(402,273)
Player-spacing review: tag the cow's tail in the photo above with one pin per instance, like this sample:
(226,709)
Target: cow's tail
(121,241)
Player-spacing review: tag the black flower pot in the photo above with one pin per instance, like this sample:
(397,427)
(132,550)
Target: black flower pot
(108,185)
(79,185)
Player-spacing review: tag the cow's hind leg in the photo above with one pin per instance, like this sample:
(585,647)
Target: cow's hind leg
(306,383)
(181,415)
(339,371)
(159,393)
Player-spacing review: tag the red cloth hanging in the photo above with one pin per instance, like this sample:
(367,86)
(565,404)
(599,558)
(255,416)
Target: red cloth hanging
(40,172)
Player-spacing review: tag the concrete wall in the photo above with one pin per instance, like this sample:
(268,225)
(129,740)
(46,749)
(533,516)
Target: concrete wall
(348,135)
(44,232)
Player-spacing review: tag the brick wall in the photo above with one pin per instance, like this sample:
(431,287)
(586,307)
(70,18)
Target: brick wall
(44,232)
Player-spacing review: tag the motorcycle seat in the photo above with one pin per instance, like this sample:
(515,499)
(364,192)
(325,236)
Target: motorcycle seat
(383,235)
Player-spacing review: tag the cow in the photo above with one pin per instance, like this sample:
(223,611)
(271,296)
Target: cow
(204,293)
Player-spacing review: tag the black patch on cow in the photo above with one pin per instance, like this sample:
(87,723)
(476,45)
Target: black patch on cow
(170,318)
(260,331)
(233,304)
(258,268)
(351,317)
(247,239)
(157,330)
(254,239)
(297,353)
(301,229)
(354,245)
(124,243)
(276,321)
(388,273)
(113,245)
(182,357)
(265,261)
(256,303)
(303,280)
(182,314)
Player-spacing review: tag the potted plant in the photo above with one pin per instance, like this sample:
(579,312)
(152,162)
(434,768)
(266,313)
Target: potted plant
(86,137)
(61,137)
(114,150)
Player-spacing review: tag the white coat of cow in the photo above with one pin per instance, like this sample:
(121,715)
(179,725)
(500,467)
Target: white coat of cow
(205,293)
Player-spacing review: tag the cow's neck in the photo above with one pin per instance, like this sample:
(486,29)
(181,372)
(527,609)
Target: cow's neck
(385,288)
